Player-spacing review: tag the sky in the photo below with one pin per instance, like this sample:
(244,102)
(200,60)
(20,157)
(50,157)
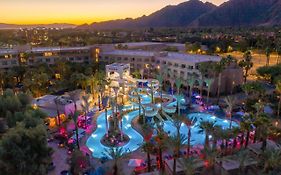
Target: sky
(78,11)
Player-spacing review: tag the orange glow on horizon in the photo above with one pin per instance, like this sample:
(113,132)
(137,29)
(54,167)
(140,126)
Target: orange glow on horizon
(78,12)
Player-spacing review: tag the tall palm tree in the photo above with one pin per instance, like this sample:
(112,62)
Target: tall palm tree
(218,69)
(278,90)
(151,92)
(230,101)
(160,138)
(176,143)
(217,134)
(116,153)
(191,83)
(209,83)
(74,117)
(203,69)
(75,96)
(148,145)
(177,122)
(271,159)
(246,126)
(178,83)
(188,165)
(86,104)
(189,122)
(246,64)
(267,53)
(56,101)
(160,79)
(206,127)
(104,104)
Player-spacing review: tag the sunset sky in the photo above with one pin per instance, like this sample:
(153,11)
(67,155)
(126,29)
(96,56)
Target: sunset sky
(78,11)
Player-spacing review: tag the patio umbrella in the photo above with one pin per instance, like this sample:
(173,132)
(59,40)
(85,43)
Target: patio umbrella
(135,162)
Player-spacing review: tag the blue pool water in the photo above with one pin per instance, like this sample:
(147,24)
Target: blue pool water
(196,137)
(136,139)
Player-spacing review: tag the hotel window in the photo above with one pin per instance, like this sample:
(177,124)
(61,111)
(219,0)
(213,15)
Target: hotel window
(158,62)
(119,58)
(164,62)
(197,67)
(13,62)
(48,60)
(176,65)
(183,66)
(71,59)
(106,57)
(152,60)
(126,59)
(190,67)
(146,60)
(170,64)
(47,54)
(4,63)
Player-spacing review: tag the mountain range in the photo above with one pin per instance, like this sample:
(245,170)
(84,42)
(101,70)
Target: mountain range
(194,13)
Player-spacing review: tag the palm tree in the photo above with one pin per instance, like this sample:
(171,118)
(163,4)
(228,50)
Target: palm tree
(176,143)
(278,91)
(209,83)
(217,134)
(178,83)
(74,117)
(188,165)
(218,69)
(207,127)
(271,159)
(179,97)
(246,64)
(104,104)
(267,53)
(116,153)
(86,106)
(210,158)
(147,145)
(203,69)
(246,126)
(160,139)
(151,92)
(191,83)
(230,101)
(160,79)
(75,96)
(189,123)
(177,122)
(56,101)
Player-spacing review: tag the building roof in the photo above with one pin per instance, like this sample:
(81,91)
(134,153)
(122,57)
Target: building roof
(192,57)
(129,53)
(43,49)
(175,56)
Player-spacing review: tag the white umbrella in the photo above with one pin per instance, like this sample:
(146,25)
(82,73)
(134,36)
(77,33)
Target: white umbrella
(135,162)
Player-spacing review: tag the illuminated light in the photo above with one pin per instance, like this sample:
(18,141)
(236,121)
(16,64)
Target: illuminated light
(99,126)
(213,117)
(210,136)
(158,67)
(94,135)
(225,121)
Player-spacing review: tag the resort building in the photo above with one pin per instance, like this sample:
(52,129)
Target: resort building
(145,56)
(30,56)
(177,65)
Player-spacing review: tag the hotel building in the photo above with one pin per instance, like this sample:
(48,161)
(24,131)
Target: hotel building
(177,64)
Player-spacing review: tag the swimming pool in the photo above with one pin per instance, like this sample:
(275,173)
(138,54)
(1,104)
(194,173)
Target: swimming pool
(136,139)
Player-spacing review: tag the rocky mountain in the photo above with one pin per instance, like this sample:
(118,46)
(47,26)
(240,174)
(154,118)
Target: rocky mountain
(242,13)
(170,16)
(195,13)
